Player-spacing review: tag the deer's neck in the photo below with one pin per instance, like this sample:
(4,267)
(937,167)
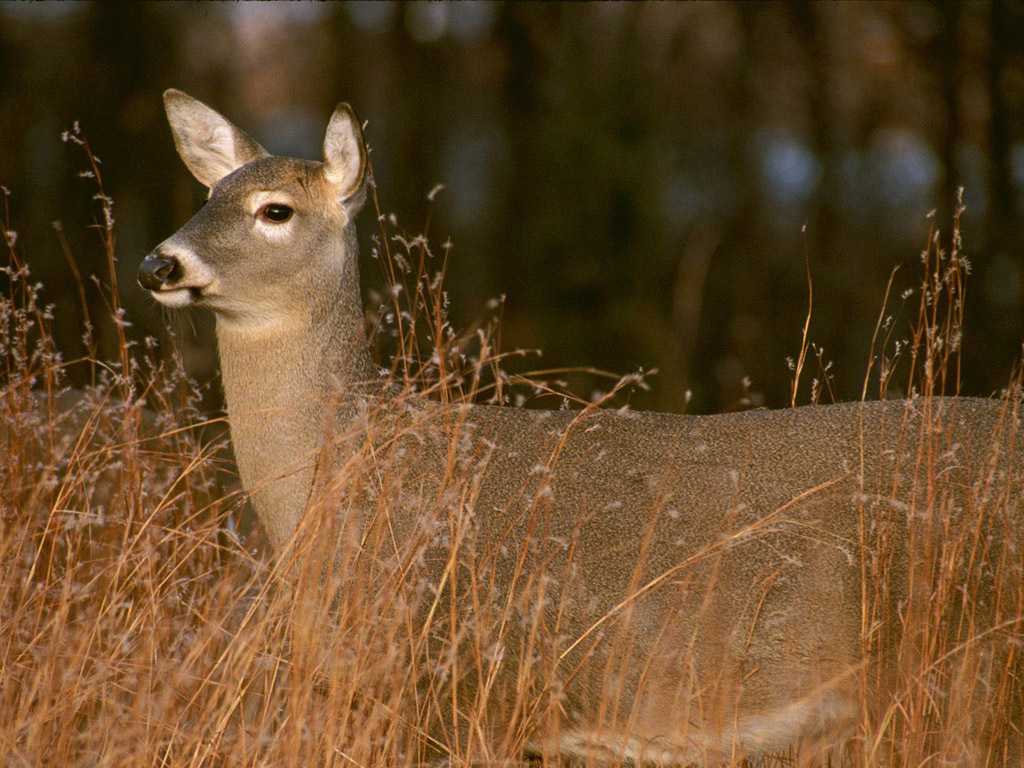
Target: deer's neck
(279,380)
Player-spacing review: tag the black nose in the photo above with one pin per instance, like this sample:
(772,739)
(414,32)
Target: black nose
(156,270)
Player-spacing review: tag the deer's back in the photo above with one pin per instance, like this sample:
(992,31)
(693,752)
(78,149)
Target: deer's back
(727,545)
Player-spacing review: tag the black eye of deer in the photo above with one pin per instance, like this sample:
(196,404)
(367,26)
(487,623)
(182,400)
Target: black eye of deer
(275,213)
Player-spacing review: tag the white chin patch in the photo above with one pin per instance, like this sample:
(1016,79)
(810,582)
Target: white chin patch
(174,297)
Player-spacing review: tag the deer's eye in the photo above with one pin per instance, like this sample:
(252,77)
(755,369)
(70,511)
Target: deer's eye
(275,213)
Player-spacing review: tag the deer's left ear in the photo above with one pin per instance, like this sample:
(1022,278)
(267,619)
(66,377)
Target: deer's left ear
(345,160)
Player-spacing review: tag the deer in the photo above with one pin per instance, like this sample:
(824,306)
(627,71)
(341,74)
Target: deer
(777,511)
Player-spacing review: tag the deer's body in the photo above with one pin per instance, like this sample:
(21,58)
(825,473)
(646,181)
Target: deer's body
(733,544)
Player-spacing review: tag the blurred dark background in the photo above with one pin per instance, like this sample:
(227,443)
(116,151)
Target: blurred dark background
(635,179)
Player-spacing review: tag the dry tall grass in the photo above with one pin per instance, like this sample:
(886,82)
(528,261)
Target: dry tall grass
(137,629)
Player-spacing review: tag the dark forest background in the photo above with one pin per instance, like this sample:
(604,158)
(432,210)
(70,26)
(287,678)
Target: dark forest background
(635,179)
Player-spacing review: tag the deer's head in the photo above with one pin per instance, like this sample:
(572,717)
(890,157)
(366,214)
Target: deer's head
(272,230)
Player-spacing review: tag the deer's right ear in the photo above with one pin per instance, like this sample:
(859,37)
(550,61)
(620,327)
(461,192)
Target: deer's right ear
(345,155)
(207,142)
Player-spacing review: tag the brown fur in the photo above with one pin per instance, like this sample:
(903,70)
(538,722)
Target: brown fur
(749,640)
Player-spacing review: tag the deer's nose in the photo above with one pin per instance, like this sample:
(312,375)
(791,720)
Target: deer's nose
(156,270)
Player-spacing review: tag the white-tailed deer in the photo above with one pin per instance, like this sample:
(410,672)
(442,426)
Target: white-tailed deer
(723,566)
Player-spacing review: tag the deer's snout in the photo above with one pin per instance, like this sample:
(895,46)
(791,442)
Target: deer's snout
(157,270)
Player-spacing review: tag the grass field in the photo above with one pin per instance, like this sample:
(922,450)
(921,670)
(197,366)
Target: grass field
(140,627)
